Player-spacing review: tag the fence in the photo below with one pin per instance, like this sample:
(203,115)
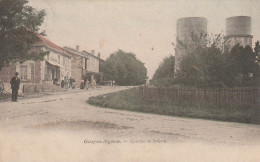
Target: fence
(211,97)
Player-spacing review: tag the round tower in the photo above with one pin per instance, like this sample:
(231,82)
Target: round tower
(238,30)
(186,27)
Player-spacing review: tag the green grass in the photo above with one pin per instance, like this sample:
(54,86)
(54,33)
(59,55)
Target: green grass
(130,100)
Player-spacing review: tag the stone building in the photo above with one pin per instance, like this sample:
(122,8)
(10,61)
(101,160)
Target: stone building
(55,65)
(83,62)
(92,61)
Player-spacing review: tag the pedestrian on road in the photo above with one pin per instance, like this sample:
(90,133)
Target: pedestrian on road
(82,84)
(62,84)
(15,84)
(66,82)
(94,83)
(87,84)
(70,82)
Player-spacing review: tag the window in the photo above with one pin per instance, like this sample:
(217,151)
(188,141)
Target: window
(63,60)
(86,61)
(58,59)
(23,72)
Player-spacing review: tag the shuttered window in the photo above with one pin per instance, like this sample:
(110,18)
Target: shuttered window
(83,63)
(29,73)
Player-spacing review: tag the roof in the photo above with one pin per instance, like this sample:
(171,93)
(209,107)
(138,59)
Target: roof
(92,55)
(84,53)
(48,43)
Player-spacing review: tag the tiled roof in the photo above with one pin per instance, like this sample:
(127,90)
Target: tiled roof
(47,42)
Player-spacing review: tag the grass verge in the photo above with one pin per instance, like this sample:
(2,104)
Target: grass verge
(130,100)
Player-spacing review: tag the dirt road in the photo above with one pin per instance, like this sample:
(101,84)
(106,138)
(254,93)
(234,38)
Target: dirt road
(63,127)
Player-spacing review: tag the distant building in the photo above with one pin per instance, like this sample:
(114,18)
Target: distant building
(92,62)
(238,31)
(82,63)
(55,65)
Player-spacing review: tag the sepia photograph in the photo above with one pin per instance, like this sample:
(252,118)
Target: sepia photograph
(129,81)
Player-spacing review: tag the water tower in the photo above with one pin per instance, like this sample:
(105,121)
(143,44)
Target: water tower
(238,30)
(185,28)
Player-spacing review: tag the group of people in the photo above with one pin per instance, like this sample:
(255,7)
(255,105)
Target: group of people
(112,82)
(85,84)
(68,83)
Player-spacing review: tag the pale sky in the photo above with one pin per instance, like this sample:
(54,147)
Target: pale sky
(136,26)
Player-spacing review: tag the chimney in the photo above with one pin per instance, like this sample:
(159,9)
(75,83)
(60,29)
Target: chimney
(93,52)
(77,47)
(98,54)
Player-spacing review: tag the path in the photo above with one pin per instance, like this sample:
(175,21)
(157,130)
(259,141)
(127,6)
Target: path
(63,127)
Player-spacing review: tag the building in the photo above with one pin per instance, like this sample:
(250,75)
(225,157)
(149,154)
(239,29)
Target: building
(238,31)
(186,27)
(92,61)
(83,62)
(57,64)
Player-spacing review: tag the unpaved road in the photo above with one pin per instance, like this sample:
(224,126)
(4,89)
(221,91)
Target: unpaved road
(63,127)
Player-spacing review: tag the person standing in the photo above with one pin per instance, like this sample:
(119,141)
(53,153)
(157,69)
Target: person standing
(15,84)
(70,82)
(62,84)
(82,84)
(66,82)
(94,83)
(86,84)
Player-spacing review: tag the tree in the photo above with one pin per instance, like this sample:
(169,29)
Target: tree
(19,24)
(164,75)
(125,69)
(203,63)
(242,66)
(208,65)
(257,51)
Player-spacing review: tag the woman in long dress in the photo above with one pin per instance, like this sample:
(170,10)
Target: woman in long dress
(66,81)
(86,84)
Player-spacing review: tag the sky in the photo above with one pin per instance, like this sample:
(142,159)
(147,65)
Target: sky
(146,28)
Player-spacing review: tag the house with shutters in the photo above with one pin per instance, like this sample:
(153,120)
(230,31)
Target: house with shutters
(57,64)
(83,62)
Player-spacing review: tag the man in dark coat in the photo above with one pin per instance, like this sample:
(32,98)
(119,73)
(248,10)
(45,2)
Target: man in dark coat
(15,83)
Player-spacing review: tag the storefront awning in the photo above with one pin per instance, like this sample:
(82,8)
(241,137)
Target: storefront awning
(53,64)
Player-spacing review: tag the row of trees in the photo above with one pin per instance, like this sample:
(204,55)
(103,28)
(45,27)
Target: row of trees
(208,65)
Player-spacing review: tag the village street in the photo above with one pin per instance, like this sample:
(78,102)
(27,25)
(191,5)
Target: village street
(63,127)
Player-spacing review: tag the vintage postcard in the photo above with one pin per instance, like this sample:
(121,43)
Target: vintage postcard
(129,80)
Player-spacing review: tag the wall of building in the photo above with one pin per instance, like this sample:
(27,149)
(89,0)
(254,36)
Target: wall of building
(8,72)
(60,60)
(29,73)
(77,68)
(92,64)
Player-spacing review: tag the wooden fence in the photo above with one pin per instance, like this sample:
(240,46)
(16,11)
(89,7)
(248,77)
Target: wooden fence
(211,97)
